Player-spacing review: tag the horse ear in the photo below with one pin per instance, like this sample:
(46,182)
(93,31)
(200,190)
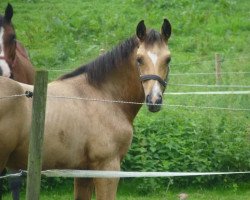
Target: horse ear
(166,29)
(8,12)
(141,30)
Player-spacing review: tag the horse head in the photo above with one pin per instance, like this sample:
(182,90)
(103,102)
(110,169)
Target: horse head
(153,57)
(7,42)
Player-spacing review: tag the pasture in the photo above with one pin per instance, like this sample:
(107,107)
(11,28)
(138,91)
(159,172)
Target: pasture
(62,35)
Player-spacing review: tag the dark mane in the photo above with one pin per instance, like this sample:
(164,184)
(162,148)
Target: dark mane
(98,69)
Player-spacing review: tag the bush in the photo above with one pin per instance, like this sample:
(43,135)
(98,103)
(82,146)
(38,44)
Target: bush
(190,141)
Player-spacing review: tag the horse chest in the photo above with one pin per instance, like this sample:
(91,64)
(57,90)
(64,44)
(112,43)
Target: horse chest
(89,140)
(110,142)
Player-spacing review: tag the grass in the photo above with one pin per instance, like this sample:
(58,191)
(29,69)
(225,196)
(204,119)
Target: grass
(127,191)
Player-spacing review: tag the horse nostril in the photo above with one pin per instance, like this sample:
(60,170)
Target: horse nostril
(148,99)
(159,100)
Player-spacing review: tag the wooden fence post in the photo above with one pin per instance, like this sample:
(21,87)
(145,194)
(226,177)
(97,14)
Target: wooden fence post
(36,136)
(218,68)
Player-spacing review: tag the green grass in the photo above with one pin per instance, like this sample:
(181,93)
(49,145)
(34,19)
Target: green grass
(127,191)
(65,34)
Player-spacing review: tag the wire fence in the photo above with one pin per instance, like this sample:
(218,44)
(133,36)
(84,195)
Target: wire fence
(209,61)
(210,86)
(206,73)
(13,96)
(117,174)
(208,93)
(13,175)
(197,62)
(172,74)
(138,103)
(27,94)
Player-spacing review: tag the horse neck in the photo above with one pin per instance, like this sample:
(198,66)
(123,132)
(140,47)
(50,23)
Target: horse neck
(124,85)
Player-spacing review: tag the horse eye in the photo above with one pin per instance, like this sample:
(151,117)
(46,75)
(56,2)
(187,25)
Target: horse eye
(139,61)
(12,38)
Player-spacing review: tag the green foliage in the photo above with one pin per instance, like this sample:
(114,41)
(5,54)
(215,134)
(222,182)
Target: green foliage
(186,141)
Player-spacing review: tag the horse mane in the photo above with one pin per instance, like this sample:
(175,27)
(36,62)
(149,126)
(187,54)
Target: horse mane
(98,69)
(153,37)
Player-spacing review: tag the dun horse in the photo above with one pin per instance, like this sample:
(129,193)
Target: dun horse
(15,64)
(90,135)
(14,60)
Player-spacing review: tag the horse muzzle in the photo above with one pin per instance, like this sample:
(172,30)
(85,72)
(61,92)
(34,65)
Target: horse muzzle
(154,98)
(4,67)
(154,103)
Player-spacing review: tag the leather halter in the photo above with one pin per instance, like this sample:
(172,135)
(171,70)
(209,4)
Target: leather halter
(155,77)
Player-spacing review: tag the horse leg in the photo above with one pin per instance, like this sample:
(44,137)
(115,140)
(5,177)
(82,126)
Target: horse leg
(3,170)
(83,188)
(106,188)
(15,185)
(2,173)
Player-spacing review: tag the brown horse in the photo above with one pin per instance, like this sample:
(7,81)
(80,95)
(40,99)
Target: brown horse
(90,135)
(15,64)
(14,60)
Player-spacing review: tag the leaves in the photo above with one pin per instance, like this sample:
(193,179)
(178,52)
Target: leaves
(186,142)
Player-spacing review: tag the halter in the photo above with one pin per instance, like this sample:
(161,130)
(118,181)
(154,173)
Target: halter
(155,77)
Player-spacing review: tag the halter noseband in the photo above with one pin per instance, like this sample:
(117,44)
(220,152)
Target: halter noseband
(154,77)
(148,77)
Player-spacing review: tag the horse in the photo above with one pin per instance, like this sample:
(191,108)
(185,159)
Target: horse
(14,59)
(14,64)
(90,135)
